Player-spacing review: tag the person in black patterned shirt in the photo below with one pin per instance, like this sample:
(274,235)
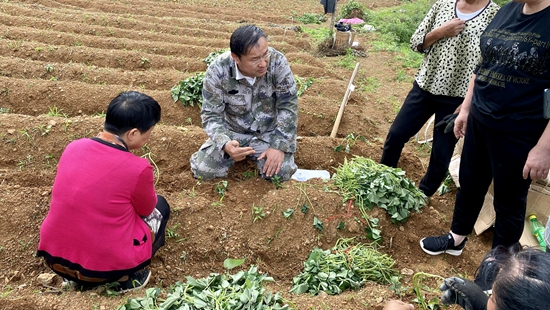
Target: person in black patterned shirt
(507,138)
(449,39)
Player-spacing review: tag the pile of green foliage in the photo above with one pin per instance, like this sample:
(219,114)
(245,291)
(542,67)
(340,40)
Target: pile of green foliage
(370,184)
(189,90)
(239,291)
(310,18)
(345,266)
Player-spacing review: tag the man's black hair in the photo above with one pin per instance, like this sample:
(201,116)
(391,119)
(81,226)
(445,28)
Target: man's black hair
(244,38)
(131,110)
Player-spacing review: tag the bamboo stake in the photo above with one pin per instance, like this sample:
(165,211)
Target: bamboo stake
(344,102)
(331,28)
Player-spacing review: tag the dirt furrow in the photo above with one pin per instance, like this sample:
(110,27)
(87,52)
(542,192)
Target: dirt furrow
(37,142)
(236,11)
(140,30)
(47,38)
(37,97)
(23,68)
(190,22)
(127,60)
(142,36)
(190,48)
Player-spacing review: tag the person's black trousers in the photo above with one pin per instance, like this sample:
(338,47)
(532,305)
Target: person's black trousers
(500,156)
(160,236)
(417,109)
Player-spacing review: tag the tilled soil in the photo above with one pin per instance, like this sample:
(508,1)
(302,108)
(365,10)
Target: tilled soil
(63,61)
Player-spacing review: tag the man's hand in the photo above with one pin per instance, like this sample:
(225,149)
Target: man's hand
(452,28)
(464,293)
(460,125)
(398,305)
(273,161)
(237,153)
(537,164)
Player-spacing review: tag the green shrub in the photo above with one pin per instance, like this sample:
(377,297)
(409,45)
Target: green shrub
(303,84)
(401,22)
(317,34)
(354,9)
(501,2)
(212,56)
(189,91)
(310,18)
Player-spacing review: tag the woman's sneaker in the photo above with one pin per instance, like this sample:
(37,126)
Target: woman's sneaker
(68,284)
(136,281)
(436,245)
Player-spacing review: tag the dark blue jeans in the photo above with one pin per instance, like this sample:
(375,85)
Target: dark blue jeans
(417,109)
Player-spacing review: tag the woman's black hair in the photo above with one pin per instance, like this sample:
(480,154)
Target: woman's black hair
(523,281)
(244,38)
(131,110)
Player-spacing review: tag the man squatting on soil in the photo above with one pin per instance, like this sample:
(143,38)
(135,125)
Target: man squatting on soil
(249,109)
(449,38)
(105,220)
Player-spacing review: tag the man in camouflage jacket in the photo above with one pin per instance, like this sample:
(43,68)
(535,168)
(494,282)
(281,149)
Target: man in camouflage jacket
(249,109)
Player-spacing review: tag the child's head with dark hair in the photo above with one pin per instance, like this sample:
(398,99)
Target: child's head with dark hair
(523,281)
(244,38)
(131,110)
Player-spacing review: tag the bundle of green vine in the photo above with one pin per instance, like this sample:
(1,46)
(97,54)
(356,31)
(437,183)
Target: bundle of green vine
(345,266)
(371,184)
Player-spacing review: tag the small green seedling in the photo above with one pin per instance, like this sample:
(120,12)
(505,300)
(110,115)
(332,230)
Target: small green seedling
(349,142)
(276,180)
(317,224)
(221,189)
(288,213)
(258,213)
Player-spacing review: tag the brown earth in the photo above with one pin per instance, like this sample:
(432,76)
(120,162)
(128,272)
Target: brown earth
(96,49)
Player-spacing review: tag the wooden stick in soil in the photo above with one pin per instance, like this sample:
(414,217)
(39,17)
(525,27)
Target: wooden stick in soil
(344,102)
(333,17)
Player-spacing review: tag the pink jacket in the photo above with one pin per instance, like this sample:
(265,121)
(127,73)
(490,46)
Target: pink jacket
(99,195)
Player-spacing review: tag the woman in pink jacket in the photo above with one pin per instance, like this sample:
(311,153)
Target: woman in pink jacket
(106,220)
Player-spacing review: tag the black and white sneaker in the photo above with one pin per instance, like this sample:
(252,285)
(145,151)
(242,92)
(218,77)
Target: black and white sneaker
(136,281)
(436,245)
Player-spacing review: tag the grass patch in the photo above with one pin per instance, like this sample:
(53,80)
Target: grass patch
(317,35)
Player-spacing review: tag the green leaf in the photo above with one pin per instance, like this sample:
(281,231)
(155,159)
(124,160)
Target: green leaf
(288,213)
(300,289)
(317,224)
(230,263)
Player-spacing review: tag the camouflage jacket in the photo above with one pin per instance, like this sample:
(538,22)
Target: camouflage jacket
(268,109)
